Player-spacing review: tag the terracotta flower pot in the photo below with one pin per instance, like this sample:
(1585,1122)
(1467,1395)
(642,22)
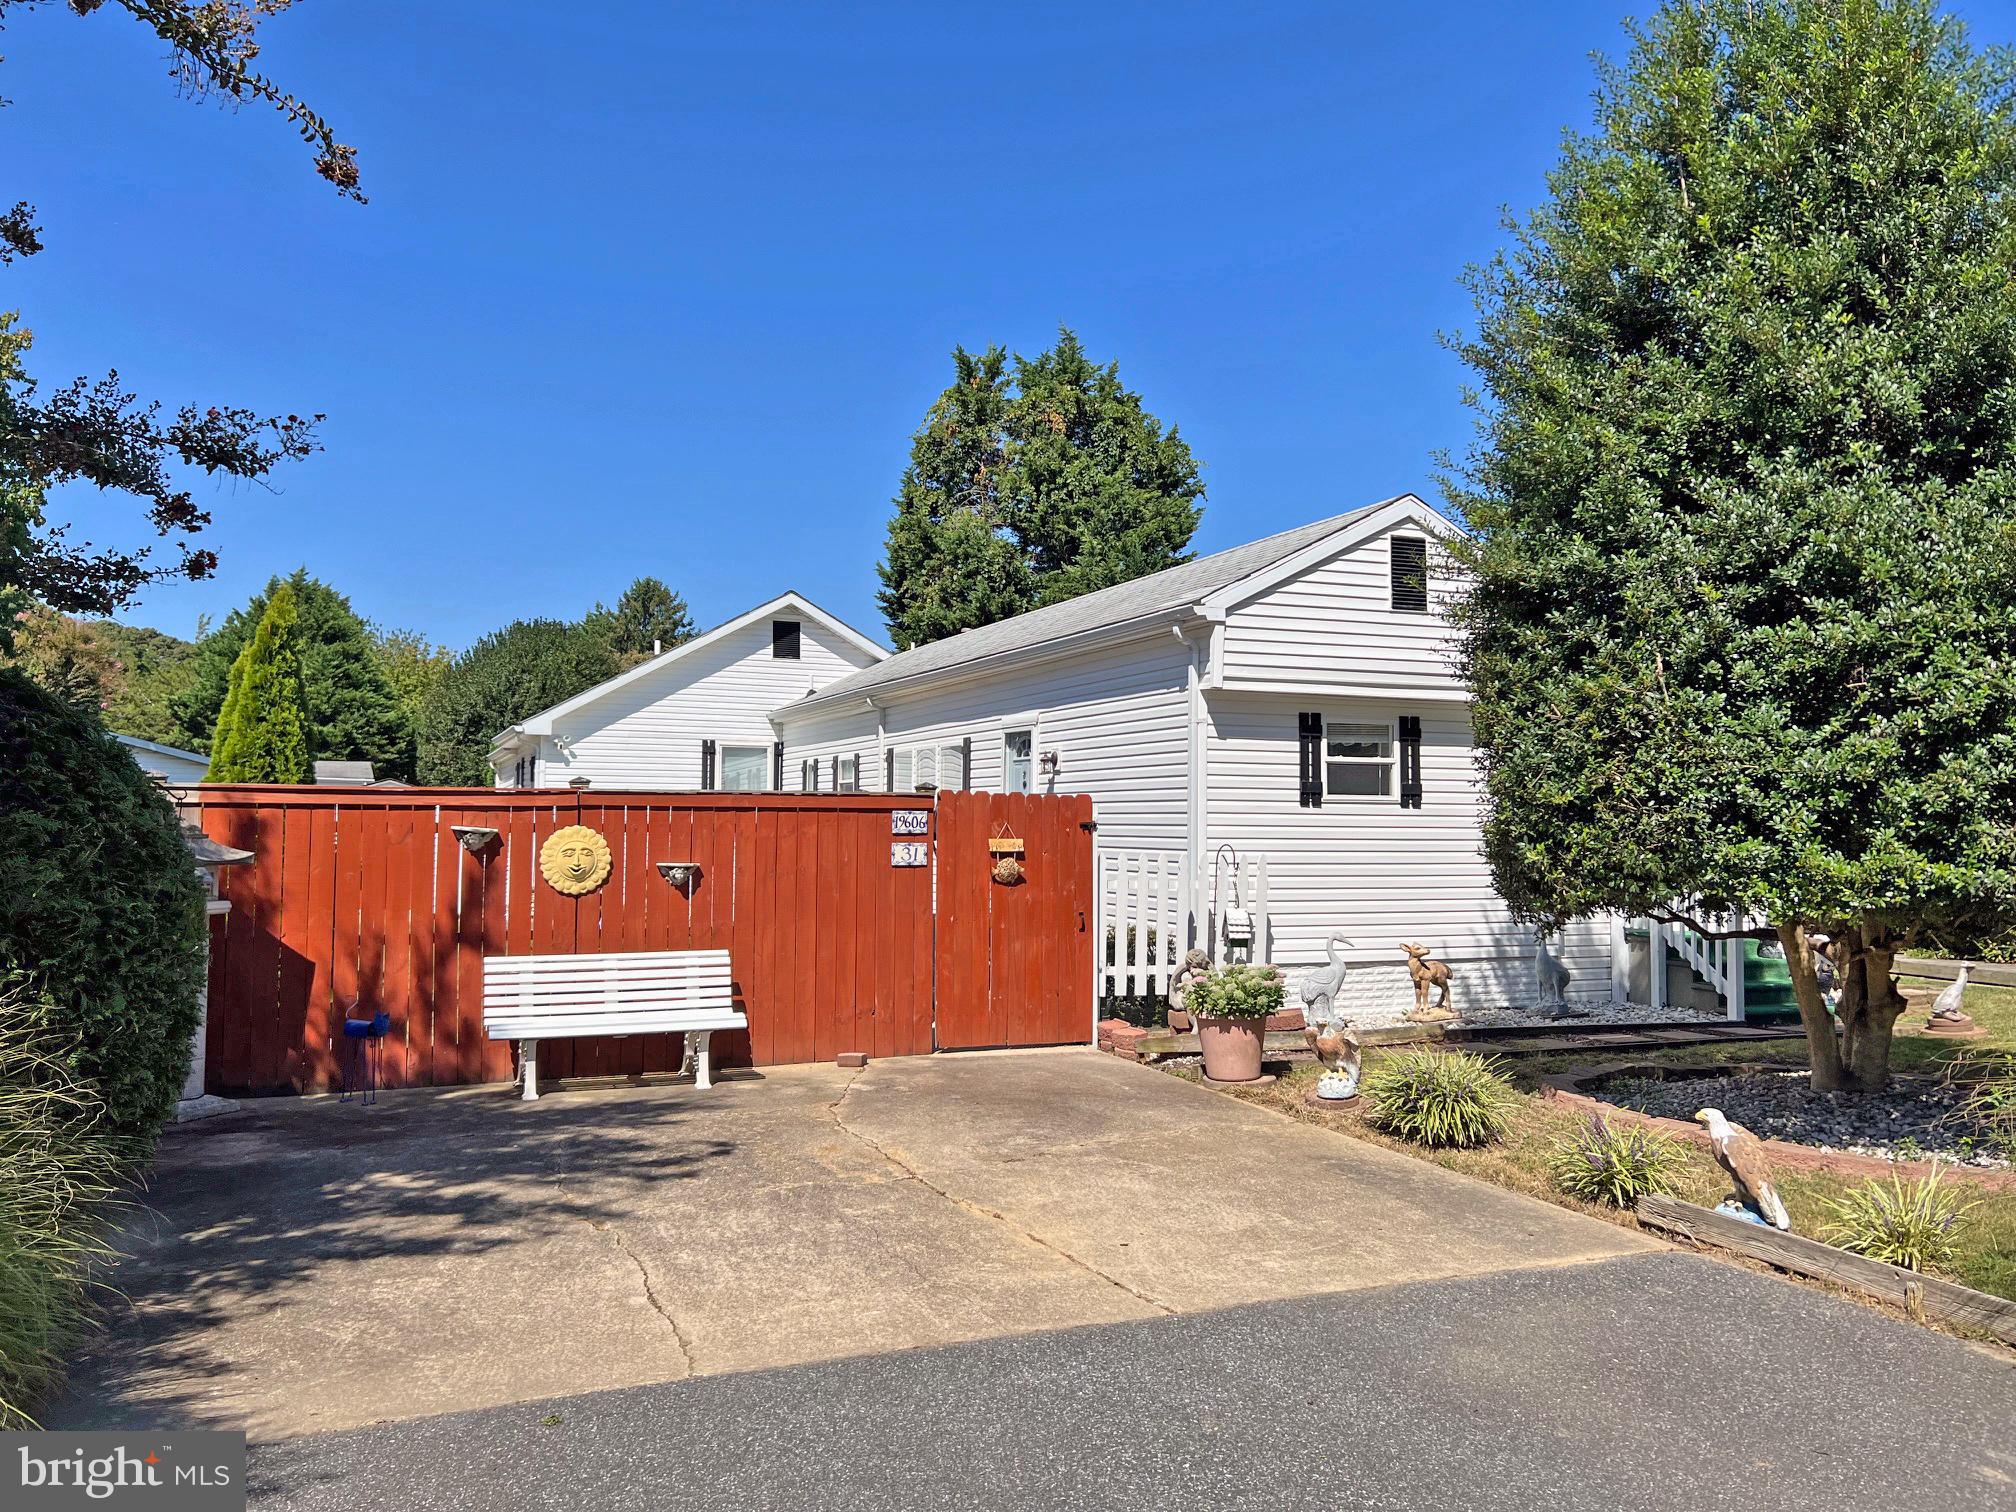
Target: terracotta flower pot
(1231,1047)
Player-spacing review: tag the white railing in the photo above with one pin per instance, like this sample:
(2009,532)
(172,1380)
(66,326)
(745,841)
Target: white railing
(1146,921)
(1719,963)
(1152,911)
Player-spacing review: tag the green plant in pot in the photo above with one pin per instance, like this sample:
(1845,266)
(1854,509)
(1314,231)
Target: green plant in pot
(1231,1006)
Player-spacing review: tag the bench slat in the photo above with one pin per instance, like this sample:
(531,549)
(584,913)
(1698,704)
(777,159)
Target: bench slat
(644,1023)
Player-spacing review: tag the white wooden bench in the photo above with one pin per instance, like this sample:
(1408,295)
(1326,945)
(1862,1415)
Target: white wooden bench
(530,998)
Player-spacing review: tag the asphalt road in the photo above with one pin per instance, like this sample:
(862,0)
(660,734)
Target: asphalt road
(1659,1381)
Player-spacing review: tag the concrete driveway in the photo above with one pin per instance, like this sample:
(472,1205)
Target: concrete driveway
(311,1265)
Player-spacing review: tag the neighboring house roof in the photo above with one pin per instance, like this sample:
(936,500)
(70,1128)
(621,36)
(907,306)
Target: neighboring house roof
(136,743)
(785,603)
(344,774)
(1175,591)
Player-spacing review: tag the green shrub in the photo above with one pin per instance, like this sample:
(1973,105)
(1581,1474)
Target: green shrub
(1913,1226)
(1236,992)
(1444,1100)
(100,908)
(1615,1166)
(1989,1110)
(58,1169)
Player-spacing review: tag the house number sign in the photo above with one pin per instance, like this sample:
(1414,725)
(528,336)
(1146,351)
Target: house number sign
(909,853)
(910,822)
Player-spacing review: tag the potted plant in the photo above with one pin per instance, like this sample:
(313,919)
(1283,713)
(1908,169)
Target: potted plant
(1231,1007)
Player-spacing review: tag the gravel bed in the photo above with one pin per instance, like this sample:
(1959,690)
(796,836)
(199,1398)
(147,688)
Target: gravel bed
(1582,1016)
(1782,1105)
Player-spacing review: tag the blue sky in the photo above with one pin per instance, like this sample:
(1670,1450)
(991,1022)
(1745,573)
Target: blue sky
(665,288)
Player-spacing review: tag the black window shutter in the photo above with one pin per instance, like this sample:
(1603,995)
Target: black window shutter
(777,764)
(836,774)
(706,766)
(966,763)
(1410,574)
(1311,730)
(860,776)
(888,771)
(1410,761)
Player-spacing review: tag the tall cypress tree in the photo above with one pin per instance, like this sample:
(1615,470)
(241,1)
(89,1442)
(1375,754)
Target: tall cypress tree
(1029,491)
(262,733)
(353,712)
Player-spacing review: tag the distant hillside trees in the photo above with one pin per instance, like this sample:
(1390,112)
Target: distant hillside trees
(1029,489)
(127,674)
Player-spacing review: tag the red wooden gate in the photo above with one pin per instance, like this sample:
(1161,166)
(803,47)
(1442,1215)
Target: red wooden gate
(1014,962)
(364,898)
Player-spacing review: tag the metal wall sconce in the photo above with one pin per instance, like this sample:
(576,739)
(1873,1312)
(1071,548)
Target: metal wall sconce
(681,874)
(475,838)
(1048,763)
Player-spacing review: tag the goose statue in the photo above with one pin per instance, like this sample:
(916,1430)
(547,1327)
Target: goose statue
(1948,1016)
(1321,986)
(1336,1047)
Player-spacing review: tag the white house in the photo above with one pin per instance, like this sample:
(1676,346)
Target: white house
(172,764)
(1290,704)
(696,716)
(1291,700)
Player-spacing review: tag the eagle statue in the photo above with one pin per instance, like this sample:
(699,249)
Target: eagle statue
(1741,1154)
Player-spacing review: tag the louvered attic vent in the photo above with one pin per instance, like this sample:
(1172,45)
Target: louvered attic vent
(1410,574)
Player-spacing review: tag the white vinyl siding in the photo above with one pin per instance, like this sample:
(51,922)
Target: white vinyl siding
(1370,869)
(647,734)
(1335,625)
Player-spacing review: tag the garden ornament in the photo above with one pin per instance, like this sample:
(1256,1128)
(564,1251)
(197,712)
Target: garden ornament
(1427,973)
(1196,964)
(1321,986)
(1741,1154)
(1549,973)
(1947,1017)
(1338,1050)
(574,860)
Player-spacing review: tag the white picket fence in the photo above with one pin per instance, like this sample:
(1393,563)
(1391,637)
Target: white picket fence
(1152,910)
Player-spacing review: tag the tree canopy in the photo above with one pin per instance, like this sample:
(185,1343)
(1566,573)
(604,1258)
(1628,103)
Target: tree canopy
(262,733)
(1744,498)
(353,712)
(1030,490)
(648,618)
(97,432)
(527,666)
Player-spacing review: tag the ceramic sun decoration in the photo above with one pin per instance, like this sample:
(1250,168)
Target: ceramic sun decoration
(1427,973)
(1741,1154)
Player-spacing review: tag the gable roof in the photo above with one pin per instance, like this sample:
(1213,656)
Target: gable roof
(1165,594)
(787,602)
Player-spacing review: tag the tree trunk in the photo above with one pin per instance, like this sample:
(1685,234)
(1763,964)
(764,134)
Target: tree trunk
(1823,1051)
(1870,1005)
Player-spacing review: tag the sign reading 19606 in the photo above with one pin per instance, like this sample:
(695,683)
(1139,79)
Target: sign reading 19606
(910,822)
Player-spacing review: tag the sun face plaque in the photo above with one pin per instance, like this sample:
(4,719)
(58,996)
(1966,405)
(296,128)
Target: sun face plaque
(574,860)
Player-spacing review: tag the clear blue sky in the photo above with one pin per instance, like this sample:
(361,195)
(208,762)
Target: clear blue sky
(665,288)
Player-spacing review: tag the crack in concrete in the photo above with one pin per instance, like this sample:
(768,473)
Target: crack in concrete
(644,1277)
(911,1173)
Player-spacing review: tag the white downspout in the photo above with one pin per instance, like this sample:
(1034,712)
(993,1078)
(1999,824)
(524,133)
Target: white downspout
(1198,787)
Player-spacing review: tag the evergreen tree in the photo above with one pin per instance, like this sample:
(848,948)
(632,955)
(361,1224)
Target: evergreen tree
(412,664)
(525,667)
(1097,493)
(648,615)
(1031,491)
(262,733)
(353,712)
(948,563)
(1744,604)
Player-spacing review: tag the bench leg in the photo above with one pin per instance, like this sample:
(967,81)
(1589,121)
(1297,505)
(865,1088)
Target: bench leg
(703,1058)
(528,1061)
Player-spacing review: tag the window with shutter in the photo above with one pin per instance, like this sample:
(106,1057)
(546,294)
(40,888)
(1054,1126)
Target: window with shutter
(1410,574)
(900,779)
(1358,759)
(847,774)
(706,766)
(951,768)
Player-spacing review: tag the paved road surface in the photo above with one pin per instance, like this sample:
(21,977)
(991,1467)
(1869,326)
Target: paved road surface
(1657,1381)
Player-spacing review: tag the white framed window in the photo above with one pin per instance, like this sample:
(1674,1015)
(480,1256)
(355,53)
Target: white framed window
(1358,758)
(808,775)
(745,769)
(928,768)
(849,774)
(1018,761)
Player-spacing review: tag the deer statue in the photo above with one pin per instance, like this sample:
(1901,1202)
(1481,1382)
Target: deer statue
(1427,973)
(1550,974)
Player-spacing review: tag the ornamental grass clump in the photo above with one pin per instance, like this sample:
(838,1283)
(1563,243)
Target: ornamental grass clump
(1236,992)
(1445,1100)
(59,1169)
(1614,1166)
(1915,1226)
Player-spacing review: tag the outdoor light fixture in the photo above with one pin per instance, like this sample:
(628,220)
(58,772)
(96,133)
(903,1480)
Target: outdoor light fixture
(681,874)
(475,838)
(577,783)
(1048,762)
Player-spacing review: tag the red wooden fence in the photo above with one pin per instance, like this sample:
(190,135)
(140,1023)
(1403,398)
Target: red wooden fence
(363,899)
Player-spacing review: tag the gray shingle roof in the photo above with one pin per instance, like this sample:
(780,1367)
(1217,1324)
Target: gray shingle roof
(1172,589)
